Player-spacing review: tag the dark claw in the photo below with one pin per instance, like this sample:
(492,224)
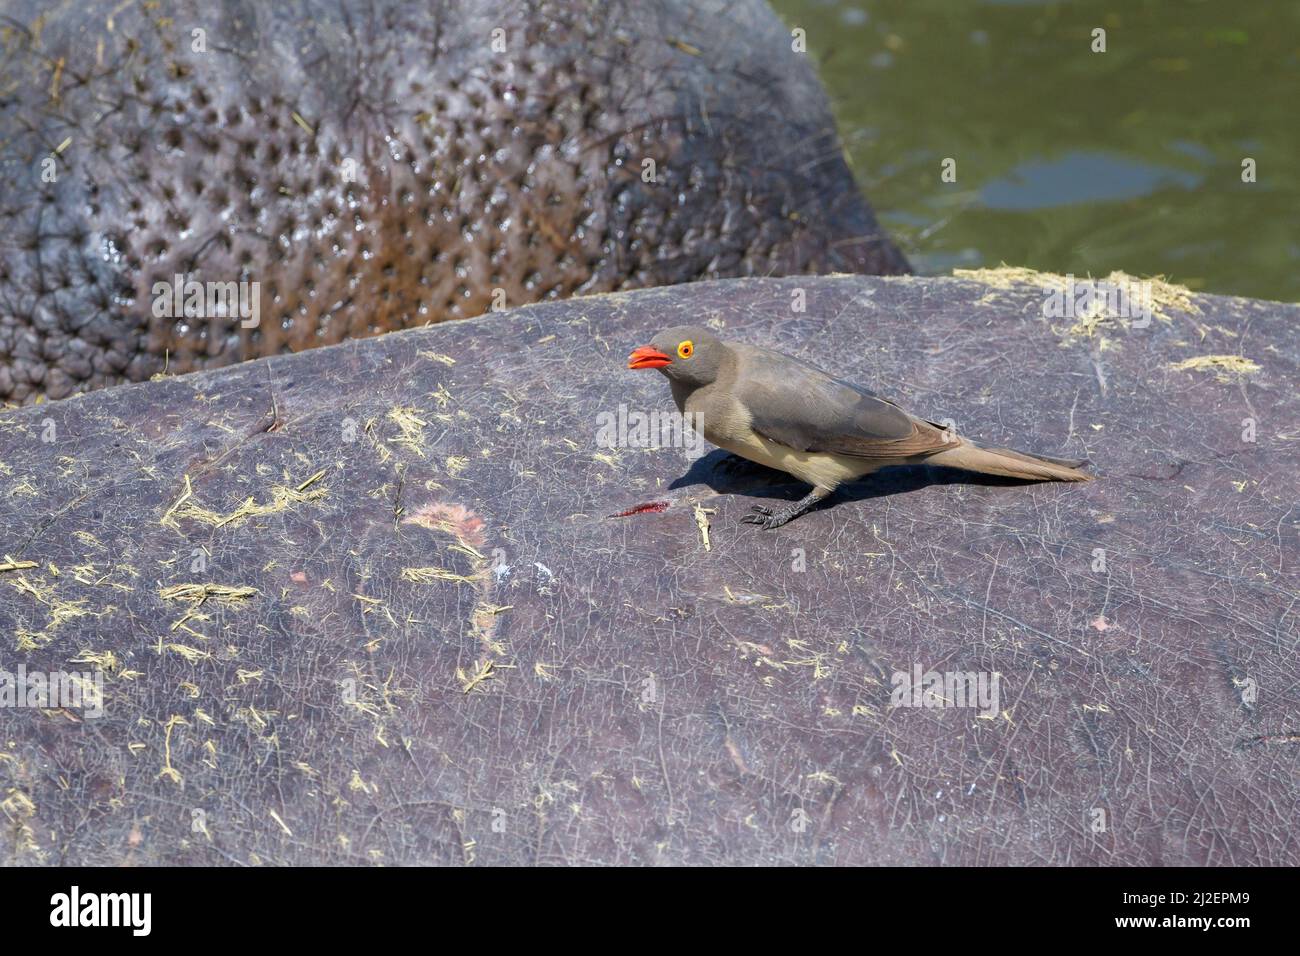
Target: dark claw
(765,518)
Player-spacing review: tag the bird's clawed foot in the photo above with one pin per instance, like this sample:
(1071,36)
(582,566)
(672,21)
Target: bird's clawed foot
(766,518)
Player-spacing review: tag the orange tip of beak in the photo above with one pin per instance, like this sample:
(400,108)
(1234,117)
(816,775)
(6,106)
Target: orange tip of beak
(648,357)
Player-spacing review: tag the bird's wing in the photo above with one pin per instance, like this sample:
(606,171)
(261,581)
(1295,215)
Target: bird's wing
(803,408)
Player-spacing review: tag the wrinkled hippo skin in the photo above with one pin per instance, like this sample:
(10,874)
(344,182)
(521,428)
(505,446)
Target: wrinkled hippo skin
(379,165)
(458,629)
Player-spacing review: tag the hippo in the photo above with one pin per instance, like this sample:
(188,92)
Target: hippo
(429,598)
(187,184)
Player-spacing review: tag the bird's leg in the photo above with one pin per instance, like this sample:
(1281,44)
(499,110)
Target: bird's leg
(767,518)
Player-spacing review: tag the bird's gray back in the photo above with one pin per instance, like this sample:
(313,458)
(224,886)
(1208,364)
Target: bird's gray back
(805,408)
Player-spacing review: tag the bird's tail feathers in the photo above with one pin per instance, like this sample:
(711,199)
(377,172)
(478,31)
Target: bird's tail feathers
(1011,464)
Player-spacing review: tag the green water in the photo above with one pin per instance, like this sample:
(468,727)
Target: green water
(1069,160)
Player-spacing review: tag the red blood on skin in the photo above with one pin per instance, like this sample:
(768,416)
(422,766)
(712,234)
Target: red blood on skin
(651,508)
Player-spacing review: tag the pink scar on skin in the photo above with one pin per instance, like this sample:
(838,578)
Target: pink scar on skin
(452,518)
(467,528)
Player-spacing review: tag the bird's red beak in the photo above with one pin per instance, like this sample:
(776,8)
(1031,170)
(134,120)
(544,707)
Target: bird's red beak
(648,357)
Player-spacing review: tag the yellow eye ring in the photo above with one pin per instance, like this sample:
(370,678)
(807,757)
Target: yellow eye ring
(686,348)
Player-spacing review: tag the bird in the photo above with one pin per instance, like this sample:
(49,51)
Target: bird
(787,414)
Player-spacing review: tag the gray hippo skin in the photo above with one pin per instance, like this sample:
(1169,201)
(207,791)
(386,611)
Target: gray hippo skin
(381,165)
(392,602)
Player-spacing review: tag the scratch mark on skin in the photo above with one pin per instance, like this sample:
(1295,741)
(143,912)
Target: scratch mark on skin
(988,596)
(729,742)
(663,761)
(1069,437)
(826,818)
(283,826)
(1284,738)
(734,752)
(1101,376)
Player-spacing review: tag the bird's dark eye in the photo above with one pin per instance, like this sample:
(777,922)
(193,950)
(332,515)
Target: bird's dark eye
(686,348)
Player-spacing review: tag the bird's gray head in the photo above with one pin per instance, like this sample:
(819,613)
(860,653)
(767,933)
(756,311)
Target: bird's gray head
(686,354)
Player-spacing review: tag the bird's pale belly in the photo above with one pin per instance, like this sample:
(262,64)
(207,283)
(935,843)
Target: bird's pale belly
(822,469)
(729,427)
